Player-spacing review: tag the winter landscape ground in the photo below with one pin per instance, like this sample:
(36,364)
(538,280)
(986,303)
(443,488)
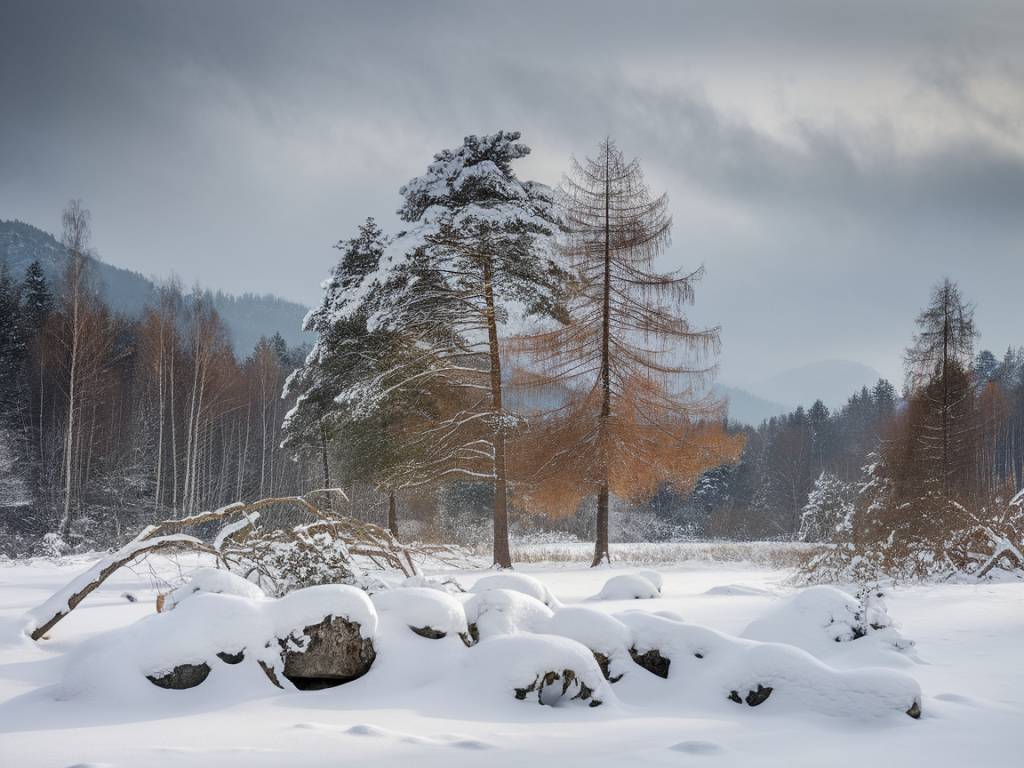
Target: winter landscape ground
(420,705)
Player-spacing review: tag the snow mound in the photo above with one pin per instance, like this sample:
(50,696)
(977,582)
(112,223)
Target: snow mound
(449,584)
(654,577)
(215,581)
(628,586)
(542,668)
(738,590)
(598,631)
(305,607)
(607,637)
(237,640)
(505,612)
(815,619)
(517,582)
(710,666)
(424,608)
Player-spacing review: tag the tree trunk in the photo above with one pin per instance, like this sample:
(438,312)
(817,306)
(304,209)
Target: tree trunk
(601,533)
(65,522)
(502,553)
(392,514)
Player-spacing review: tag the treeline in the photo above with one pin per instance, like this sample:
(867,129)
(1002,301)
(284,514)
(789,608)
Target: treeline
(913,485)
(109,422)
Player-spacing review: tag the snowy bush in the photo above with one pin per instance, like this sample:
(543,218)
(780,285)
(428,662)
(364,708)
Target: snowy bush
(818,617)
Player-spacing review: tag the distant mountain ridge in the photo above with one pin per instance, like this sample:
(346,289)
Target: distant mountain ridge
(248,316)
(746,408)
(831,381)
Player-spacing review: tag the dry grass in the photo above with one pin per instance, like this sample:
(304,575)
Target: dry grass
(773,554)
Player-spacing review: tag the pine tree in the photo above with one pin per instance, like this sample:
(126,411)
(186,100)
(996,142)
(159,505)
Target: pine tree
(473,258)
(12,345)
(37,297)
(829,505)
(628,360)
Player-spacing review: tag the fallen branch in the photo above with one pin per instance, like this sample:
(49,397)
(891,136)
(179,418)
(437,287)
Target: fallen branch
(44,617)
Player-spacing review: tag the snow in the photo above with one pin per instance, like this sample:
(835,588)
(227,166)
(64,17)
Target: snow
(215,580)
(594,629)
(114,666)
(80,697)
(501,665)
(505,611)
(517,582)
(420,607)
(629,586)
(312,605)
(813,616)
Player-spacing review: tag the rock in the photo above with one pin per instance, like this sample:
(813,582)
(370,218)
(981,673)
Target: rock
(548,692)
(915,710)
(652,661)
(754,697)
(428,632)
(603,662)
(182,677)
(327,654)
(232,658)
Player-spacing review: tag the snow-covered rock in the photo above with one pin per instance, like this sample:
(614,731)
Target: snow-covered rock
(505,612)
(426,611)
(517,582)
(321,633)
(542,668)
(707,664)
(607,637)
(628,586)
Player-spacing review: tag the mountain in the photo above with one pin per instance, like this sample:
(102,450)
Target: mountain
(248,316)
(746,408)
(832,381)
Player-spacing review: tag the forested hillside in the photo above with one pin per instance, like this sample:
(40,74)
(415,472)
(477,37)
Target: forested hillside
(247,316)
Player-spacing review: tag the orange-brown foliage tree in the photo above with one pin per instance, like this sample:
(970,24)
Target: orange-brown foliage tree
(627,368)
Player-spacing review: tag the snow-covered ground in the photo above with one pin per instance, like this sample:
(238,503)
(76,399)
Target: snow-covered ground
(966,660)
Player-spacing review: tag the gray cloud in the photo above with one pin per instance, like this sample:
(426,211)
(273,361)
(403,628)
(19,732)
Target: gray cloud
(826,161)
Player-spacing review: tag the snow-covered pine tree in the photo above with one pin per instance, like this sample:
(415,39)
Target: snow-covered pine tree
(37,299)
(474,258)
(344,356)
(829,505)
(12,345)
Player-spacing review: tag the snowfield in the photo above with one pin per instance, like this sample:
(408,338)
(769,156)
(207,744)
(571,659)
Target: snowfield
(78,698)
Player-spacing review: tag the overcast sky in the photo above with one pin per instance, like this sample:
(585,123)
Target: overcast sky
(827,162)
